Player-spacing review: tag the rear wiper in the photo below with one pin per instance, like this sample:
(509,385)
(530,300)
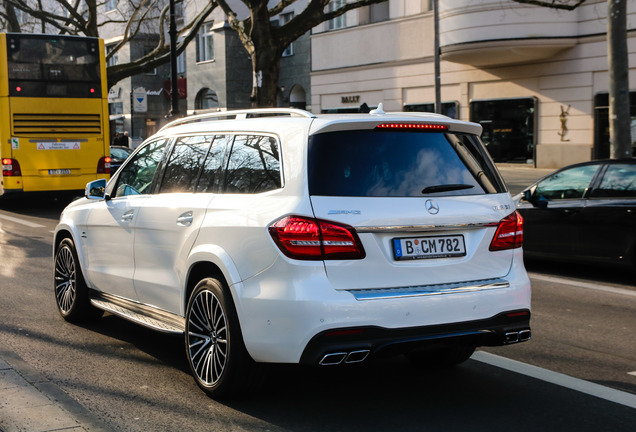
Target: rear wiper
(445,188)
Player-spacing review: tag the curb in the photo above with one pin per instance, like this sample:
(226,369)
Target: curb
(30,402)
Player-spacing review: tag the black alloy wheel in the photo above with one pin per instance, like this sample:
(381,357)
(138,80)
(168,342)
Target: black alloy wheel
(216,355)
(71,292)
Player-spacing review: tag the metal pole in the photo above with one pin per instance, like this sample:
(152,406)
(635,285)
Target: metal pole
(174,94)
(132,111)
(438,79)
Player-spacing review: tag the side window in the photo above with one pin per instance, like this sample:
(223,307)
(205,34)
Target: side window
(254,165)
(185,163)
(137,175)
(567,184)
(619,181)
(213,165)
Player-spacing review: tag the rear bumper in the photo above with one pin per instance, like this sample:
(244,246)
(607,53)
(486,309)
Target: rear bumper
(286,310)
(49,183)
(349,345)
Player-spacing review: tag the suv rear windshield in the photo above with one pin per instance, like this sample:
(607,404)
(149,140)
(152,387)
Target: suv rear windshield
(373,163)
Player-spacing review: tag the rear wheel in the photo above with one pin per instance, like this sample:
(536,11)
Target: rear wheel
(71,292)
(442,357)
(216,354)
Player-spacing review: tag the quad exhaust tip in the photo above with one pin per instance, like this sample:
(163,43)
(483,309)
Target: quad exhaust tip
(517,336)
(337,358)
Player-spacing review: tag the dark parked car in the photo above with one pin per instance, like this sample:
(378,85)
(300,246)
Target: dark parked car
(118,155)
(583,212)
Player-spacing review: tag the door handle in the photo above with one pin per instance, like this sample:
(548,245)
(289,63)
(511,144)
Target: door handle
(185,219)
(128,216)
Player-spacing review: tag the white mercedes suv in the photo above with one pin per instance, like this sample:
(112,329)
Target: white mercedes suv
(280,236)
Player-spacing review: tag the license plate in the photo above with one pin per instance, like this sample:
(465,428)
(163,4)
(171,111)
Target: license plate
(59,172)
(428,247)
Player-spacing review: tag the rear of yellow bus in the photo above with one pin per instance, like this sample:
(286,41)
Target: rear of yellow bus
(53,113)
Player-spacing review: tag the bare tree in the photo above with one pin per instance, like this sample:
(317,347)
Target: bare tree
(135,17)
(617,57)
(265,42)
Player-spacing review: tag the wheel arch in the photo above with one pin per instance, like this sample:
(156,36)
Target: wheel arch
(211,261)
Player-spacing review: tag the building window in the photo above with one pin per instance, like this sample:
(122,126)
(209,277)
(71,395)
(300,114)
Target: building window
(508,128)
(154,70)
(111,5)
(449,109)
(181,63)
(206,99)
(338,22)
(205,43)
(379,12)
(284,19)
(602,126)
(114,59)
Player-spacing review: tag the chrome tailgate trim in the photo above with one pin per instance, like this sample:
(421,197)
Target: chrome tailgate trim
(423,228)
(429,290)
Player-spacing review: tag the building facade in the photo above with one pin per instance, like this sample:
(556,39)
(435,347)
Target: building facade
(535,78)
(219,69)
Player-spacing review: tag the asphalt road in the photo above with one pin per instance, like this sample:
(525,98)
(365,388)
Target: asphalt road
(136,380)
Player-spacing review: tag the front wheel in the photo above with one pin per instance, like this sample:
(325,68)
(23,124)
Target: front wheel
(217,357)
(71,292)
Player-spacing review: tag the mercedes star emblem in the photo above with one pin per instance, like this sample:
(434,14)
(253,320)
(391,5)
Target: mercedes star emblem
(432,207)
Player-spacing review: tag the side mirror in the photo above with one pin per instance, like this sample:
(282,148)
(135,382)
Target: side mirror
(527,195)
(96,189)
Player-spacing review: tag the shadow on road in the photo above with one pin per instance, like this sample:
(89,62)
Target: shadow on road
(42,204)
(590,273)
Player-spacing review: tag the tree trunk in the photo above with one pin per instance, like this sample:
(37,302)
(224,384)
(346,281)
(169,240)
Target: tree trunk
(266,70)
(619,116)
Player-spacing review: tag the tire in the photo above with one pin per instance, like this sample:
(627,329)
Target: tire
(71,292)
(217,357)
(441,358)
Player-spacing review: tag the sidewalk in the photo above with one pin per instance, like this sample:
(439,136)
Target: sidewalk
(30,402)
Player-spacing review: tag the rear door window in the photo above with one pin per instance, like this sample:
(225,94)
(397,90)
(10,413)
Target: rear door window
(371,163)
(184,165)
(212,170)
(619,181)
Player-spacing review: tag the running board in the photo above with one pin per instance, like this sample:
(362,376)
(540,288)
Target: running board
(139,313)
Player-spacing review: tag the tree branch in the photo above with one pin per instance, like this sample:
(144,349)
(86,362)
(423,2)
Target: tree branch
(554,4)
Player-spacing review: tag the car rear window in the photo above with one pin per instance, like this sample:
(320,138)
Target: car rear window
(372,163)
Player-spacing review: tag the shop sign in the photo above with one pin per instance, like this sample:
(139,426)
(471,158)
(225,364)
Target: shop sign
(140,100)
(113,94)
(350,99)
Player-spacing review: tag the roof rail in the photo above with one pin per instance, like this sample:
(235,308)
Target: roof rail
(239,114)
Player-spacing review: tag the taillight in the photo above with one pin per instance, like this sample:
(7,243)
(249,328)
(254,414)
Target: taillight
(306,238)
(509,233)
(103,166)
(11,168)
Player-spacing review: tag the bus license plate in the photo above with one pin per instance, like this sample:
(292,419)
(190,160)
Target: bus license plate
(60,172)
(413,248)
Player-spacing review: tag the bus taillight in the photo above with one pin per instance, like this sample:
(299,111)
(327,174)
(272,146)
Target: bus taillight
(103,166)
(11,168)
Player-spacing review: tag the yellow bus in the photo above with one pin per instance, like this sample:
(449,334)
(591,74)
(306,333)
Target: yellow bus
(53,112)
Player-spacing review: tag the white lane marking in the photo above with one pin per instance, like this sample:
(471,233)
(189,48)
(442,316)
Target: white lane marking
(562,380)
(580,284)
(20,221)
(631,373)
